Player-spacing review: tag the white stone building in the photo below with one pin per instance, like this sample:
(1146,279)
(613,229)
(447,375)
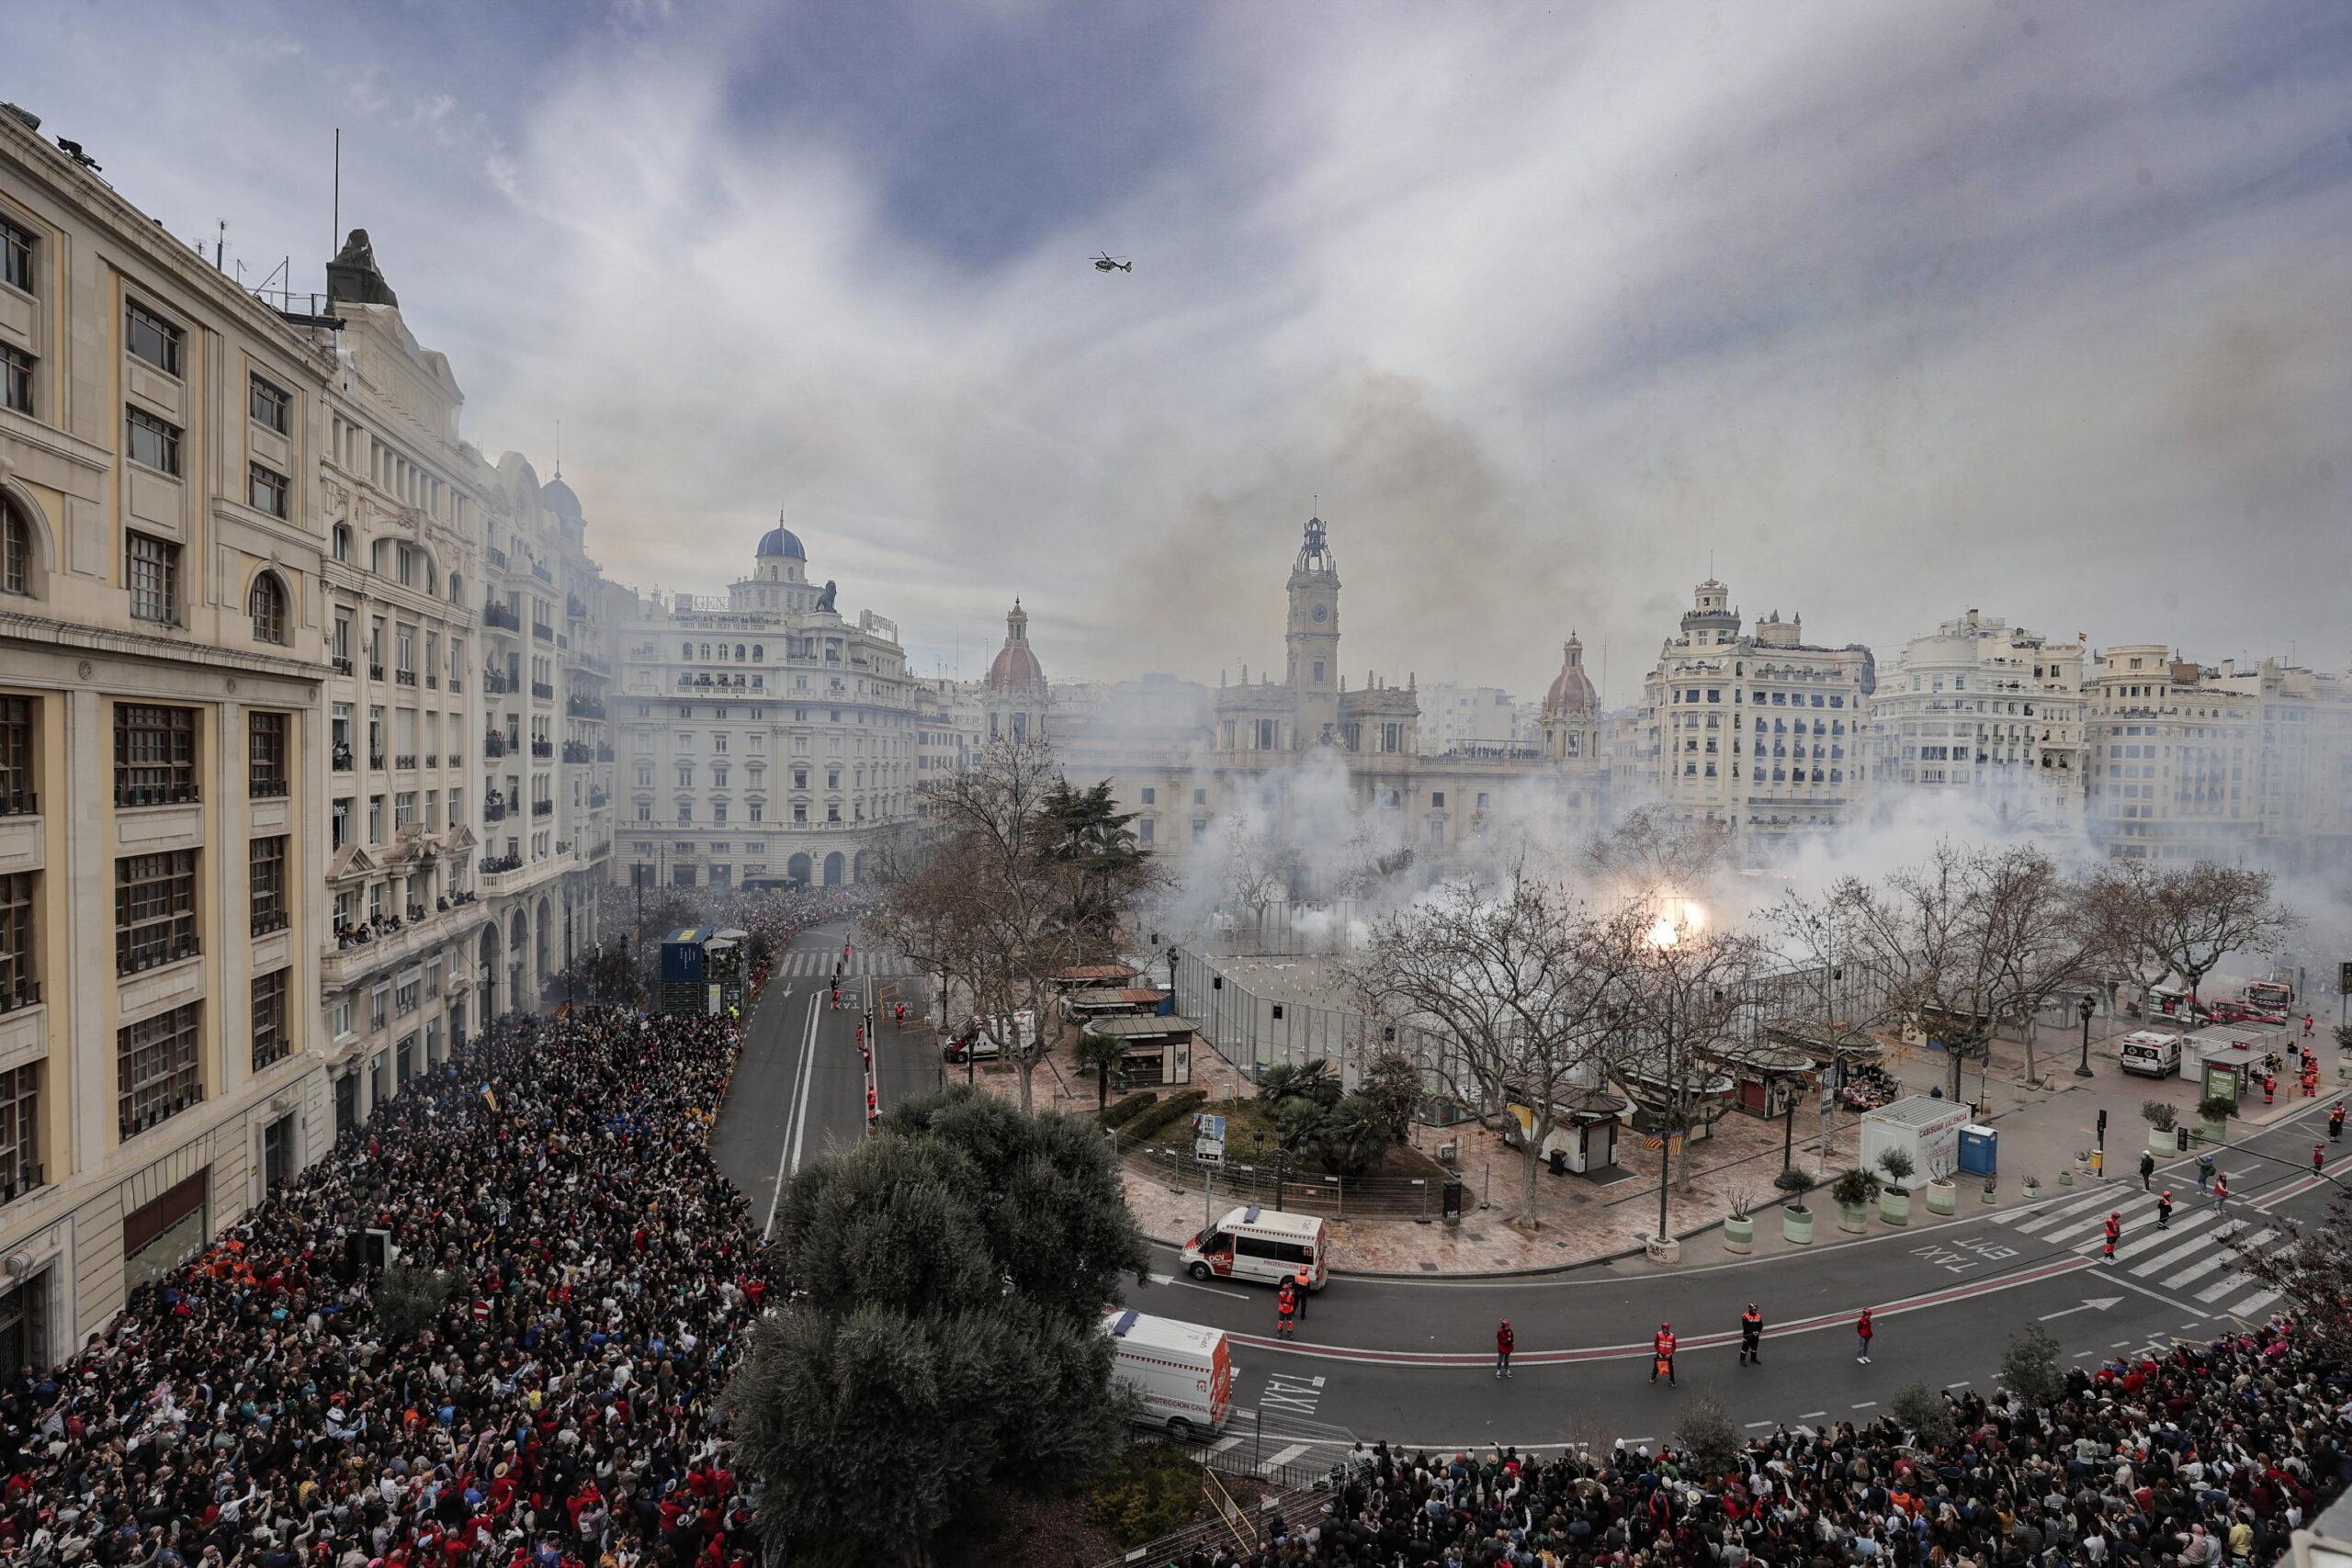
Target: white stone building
(162,646)
(1759,730)
(768,740)
(1455,715)
(1983,711)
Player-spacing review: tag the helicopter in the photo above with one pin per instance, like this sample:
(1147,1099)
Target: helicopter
(1107,262)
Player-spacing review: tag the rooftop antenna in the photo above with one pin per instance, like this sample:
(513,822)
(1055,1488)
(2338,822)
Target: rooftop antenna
(559,448)
(335,241)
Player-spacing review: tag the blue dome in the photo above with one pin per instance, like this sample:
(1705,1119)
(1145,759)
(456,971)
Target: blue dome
(781,541)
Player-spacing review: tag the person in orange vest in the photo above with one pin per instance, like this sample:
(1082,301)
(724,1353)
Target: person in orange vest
(1300,1281)
(1662,1353)
(2163,1211)
(1285,1304)
(2114,1232)
(1751,1336)
(1863,1331)
(2270,1088)
(2336,1121)
(2310,1078)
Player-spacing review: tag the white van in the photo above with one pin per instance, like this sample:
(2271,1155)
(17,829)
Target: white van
(2152,1052)
(1182,1373)
(1262,1243)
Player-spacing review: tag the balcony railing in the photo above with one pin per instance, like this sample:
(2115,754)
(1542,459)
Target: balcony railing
(376,760)
(539,569)
(405,677)
(431,682)
(494,745)
(497,558)
(543,690)
(267,920)
(500,616)
(575,608)
(543,808)
(433,759)
(375,671)
(494,811)
(604,754)
(577,751)
(134,961)
(583,707)
(597,798)
(20,803)
(132,795)
(542,631)
(543,749)
(263,787)
(27,1176)
(132,1126)
(20,993)
(405,761)
(589,662)
(495,682)
(343,665)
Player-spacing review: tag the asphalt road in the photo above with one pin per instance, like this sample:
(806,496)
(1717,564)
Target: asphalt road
(1412,1361)
(799,1090)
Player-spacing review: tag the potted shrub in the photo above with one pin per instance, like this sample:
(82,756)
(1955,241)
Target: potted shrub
(1943,1192)
(1992,1189)
(2082,1162)
(2161,1118)
(1894,1202)
(2214,1118)
(1796,1219)
(2031,1188)
(1739,1225)
(1853,1192)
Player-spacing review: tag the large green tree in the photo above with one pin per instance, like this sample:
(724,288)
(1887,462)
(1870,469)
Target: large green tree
(958,1264)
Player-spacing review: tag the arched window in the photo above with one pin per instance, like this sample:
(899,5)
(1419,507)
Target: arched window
(456,588)
(268,602)
(686,650)
(759,652)
(16,549)
(343,541)
(739,652)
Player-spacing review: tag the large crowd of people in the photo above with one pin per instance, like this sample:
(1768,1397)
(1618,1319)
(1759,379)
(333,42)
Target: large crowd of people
(2207,1457)
(556,1413)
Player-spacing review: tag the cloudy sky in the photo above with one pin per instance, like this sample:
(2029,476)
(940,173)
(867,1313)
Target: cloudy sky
(1886,310)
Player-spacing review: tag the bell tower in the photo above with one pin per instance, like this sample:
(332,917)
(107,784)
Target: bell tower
(1313,638)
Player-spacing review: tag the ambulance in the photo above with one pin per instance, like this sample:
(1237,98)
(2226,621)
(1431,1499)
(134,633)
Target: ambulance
(1262,1243)
(1181,1373)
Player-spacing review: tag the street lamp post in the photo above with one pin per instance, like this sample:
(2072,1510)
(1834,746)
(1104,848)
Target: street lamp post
(2087,1006)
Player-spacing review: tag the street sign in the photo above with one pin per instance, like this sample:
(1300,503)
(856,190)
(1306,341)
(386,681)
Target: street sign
(1205,1125)
(1209,1151)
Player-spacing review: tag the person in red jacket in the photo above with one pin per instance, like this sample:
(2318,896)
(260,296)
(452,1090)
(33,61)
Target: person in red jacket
(1662,1353)
(2114,1232)
(1863,1331)
(1504,1340)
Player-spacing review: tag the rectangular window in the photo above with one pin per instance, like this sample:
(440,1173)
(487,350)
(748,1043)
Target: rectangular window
(15,257)
(265,863)
(18,796)
(152,441)
(158,1068)
(153,574)
(1150,796)
(20,1131)
(270,1043)
(406,999)
(266,763)
(268,403)
(266,490)
(1144,830)
(154,755)
(18,987)
(152,338)
(15,380)
(154,909)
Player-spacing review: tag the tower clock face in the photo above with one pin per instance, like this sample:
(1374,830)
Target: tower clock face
(1322,613)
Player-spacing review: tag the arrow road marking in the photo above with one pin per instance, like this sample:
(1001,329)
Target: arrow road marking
(2090,1303)
(1196,1285)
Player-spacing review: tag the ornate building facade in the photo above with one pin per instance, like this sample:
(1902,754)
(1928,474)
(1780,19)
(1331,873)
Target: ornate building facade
(1989,713)
(767,739)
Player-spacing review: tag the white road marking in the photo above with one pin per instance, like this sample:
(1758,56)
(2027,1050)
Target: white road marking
(1866,1405)
(2185,1248)
(787,1156)
(2096,1219)
(1222,1444)
(1196,1285)
(2253,1303)
(1753,1425)
(1281,1457)
(1961,1383)
(2149,1240)
(2199,1270)
(2060,1211)
(1810,1415)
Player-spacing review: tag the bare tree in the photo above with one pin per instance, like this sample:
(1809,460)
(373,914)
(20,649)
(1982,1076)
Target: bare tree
(1527,990)
(1688,984)
(1658,852)
(2205,912)
(2037,920)
(1945,934)
(1260,865)
(2120,903)
(997,886)
(919,910)
(2313,1272)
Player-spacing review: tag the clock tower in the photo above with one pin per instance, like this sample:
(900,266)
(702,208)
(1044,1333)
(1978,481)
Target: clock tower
(1314,640)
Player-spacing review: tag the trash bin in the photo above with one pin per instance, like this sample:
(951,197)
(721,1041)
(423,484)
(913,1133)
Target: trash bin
(1559,1162)
(1450,1200)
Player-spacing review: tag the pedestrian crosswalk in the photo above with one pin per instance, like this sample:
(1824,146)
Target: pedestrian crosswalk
(2198,1254)
(817,964)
